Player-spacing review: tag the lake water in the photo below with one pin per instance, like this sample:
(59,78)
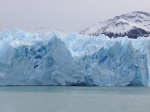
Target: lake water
(74,99)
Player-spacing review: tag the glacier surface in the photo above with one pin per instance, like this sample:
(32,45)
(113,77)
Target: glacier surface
(52,59)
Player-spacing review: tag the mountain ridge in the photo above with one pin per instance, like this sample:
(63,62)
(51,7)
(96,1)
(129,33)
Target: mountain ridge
(133,25)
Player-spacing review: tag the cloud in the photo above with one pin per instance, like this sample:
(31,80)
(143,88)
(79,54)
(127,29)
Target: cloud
(68,15)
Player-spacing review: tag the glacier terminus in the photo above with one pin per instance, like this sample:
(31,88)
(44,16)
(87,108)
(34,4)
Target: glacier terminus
(73,59)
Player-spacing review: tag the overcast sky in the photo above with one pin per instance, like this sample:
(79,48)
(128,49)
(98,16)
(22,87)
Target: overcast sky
(67,15)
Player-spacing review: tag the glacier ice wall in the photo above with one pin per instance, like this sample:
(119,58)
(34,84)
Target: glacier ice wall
(50,59)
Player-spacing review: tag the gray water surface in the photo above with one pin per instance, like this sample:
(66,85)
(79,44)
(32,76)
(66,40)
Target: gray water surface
(74,99)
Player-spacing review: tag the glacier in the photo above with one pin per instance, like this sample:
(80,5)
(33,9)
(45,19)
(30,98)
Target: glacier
(73,60)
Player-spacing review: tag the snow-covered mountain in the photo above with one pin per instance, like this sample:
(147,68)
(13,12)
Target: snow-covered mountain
(50,59)
(132,24)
